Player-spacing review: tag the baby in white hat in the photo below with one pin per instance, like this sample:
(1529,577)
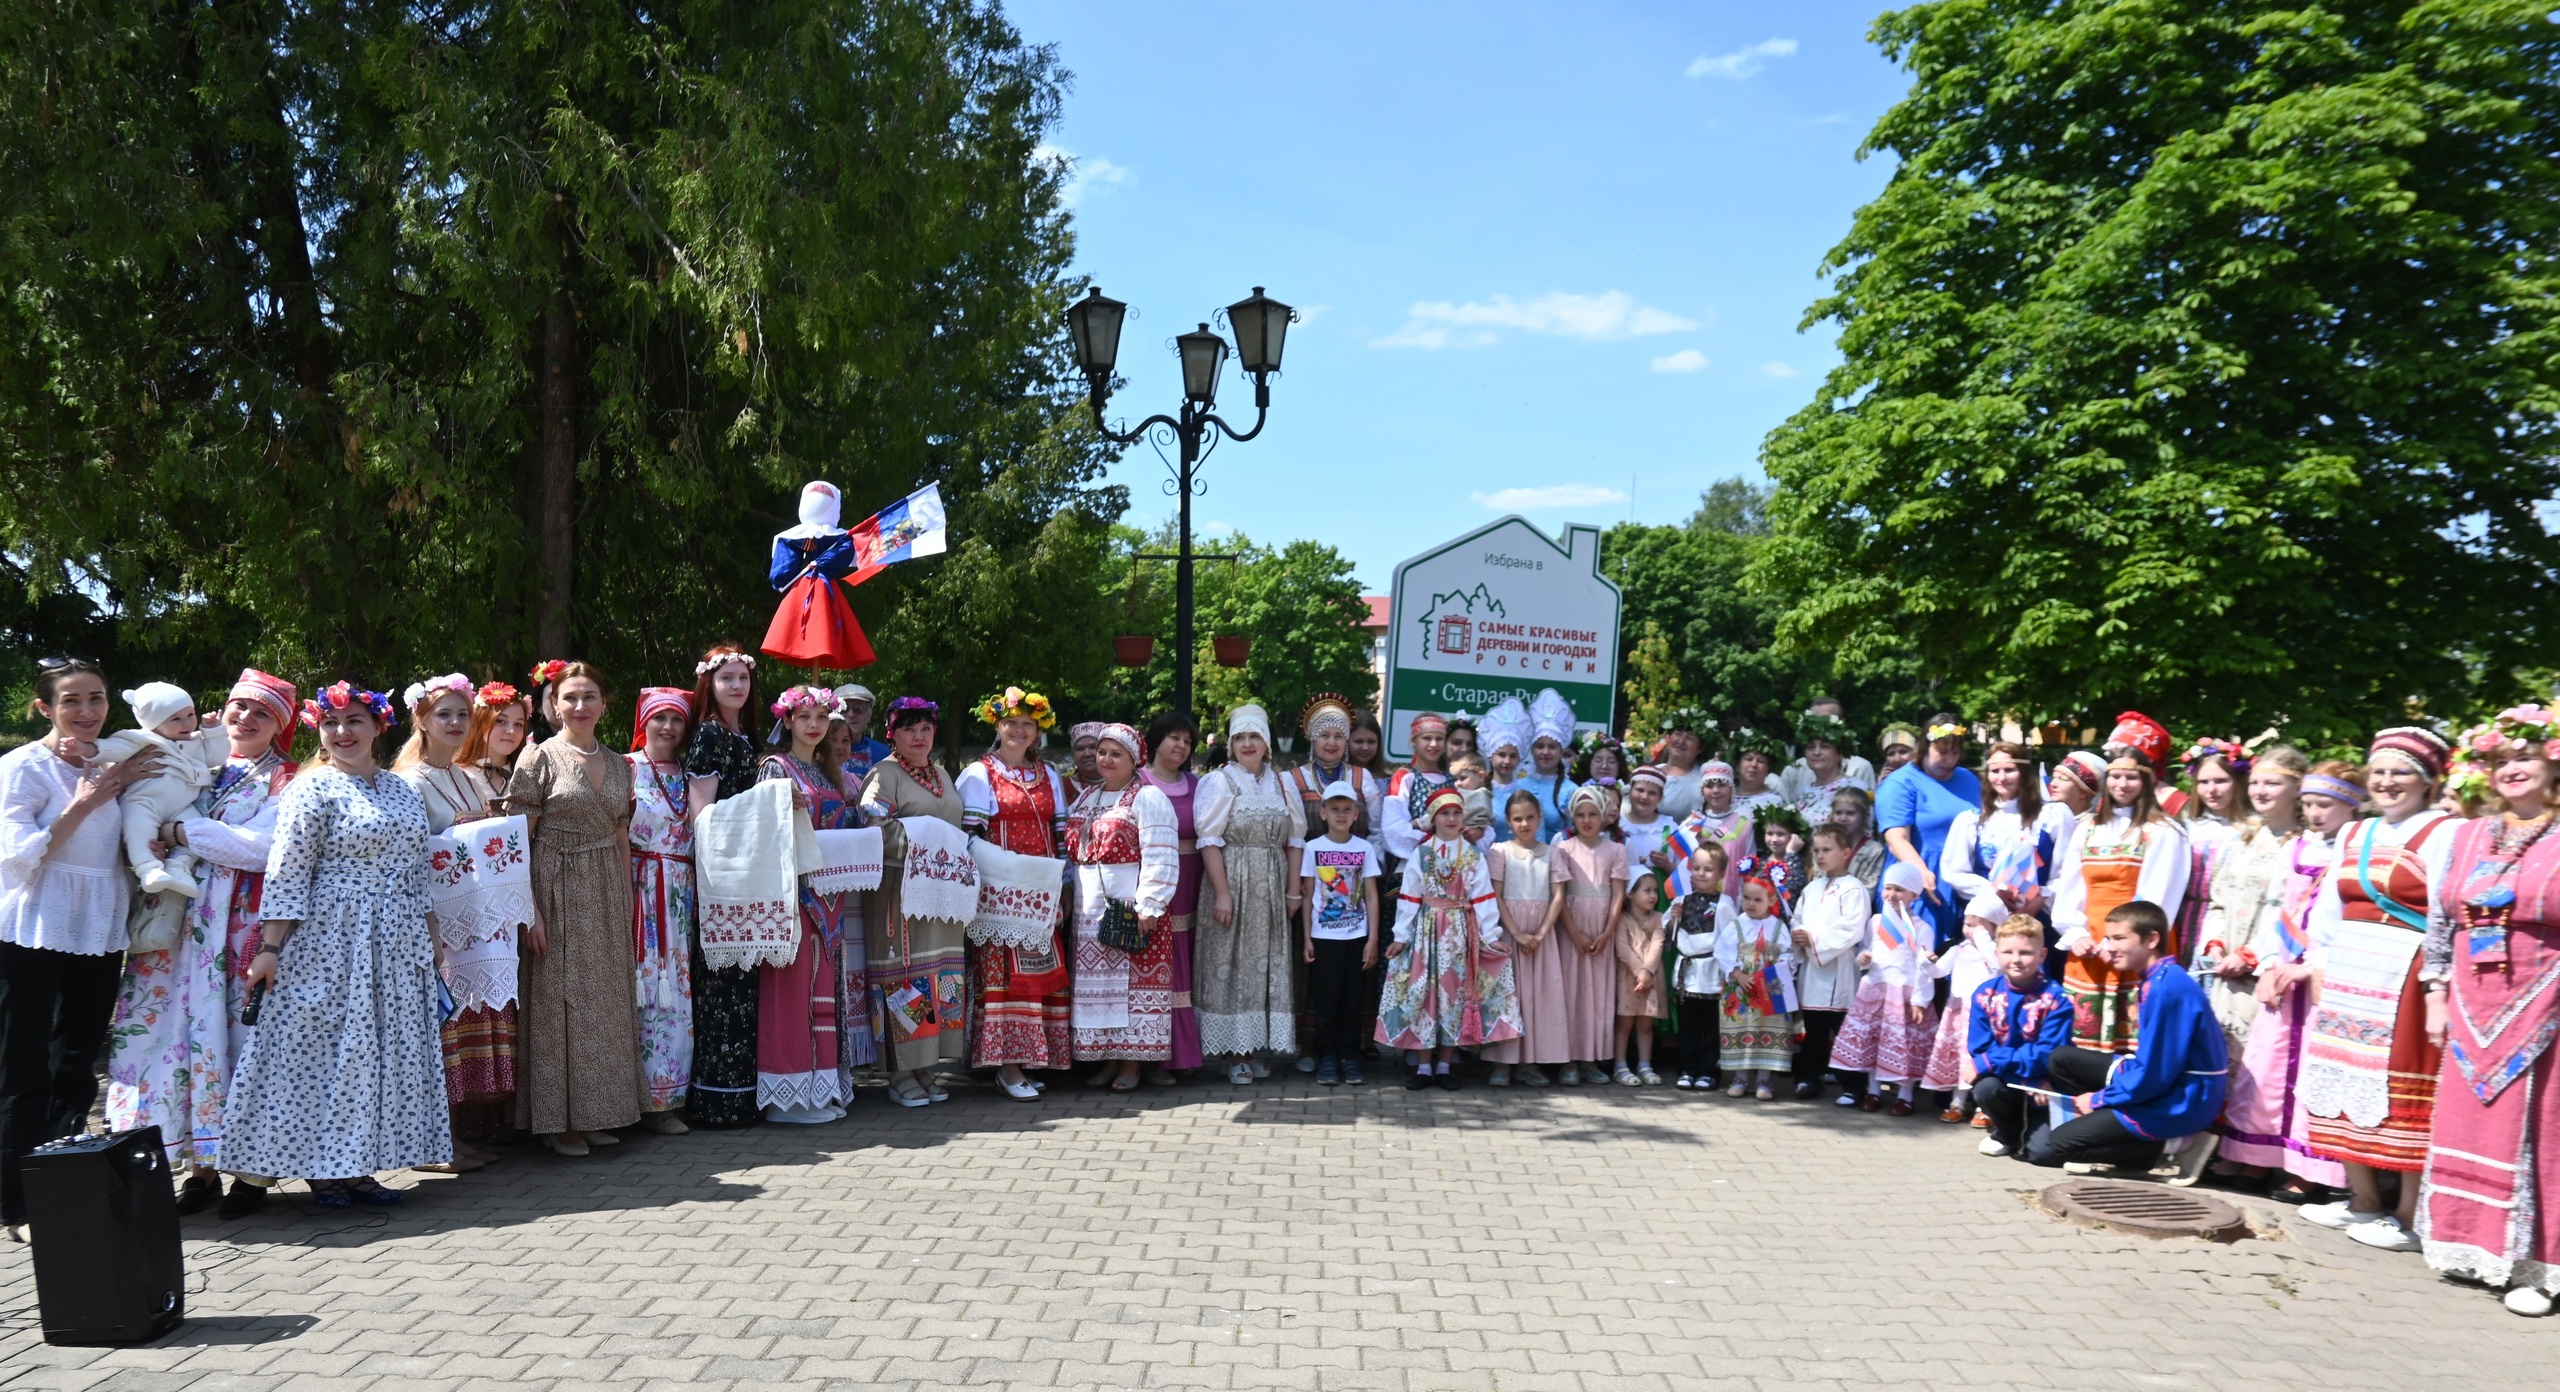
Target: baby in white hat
(189,759)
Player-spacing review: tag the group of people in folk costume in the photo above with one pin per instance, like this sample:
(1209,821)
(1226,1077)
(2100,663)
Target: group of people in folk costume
(2312,979)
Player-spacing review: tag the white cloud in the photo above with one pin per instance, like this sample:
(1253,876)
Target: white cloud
(1562,495)
(1777,369)
(1742,62)
(1686,360)
(1085,174)
(1218,528)
(1592,318)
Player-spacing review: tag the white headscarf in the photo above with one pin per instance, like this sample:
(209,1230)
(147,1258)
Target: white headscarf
(1507,723)
(1249,719)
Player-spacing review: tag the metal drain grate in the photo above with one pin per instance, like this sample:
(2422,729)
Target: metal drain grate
(2145,1209)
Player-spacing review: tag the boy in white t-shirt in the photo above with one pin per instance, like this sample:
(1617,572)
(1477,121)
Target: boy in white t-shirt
(1338,874)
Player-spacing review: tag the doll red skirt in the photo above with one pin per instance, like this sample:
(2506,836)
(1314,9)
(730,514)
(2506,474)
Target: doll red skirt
(815,627)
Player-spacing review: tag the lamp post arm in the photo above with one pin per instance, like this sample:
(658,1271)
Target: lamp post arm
(1131,437)
(1261,414)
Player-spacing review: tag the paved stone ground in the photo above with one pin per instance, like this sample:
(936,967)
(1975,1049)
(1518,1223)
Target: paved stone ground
(1288,1236)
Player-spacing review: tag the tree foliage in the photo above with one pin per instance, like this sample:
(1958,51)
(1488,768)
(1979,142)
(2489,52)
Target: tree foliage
(1298,605)
(386,339)
(1686,584)
(2198,355)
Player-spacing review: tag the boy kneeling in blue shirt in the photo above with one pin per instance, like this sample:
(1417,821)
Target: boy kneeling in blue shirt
(2019,1019)
(2128,1107)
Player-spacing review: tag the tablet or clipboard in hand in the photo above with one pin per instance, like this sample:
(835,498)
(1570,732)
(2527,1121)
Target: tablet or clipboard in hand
(2047,1094)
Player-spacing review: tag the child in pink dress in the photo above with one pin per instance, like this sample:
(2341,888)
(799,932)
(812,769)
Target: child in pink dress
(1888,1031)
(1592,868)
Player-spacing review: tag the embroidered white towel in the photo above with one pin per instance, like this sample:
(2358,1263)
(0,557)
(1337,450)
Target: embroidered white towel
(748,856)
(488,874)
(852,861)
(940,876)
(1018,897)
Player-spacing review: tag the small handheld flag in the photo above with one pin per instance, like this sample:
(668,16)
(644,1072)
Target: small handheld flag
(1892,936)
(2019,866)
(1781,986)
(910,527)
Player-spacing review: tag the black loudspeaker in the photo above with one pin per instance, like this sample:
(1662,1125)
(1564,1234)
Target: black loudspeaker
(104,1222)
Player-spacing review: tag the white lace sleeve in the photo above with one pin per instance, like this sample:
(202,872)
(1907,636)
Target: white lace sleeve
(1159,852)
(1211,805)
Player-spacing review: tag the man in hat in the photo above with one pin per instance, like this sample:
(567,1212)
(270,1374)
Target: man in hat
(855,703)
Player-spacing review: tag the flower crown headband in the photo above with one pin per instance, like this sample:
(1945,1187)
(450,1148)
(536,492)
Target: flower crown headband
(422,692)
(496,695)
(1014,703)
(799,697)
(2520,728)
(2232,753)
(545,673)
(711,664)
(1953,730)
(342,696)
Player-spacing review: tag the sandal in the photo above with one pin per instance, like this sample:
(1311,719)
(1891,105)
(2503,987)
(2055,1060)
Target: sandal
(1766,1094)
(907,1092)
(330,1193)
(1124,1083)
(370,1192)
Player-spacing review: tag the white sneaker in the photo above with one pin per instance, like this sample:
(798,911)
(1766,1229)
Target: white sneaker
(2385,1233)
(2525,1300)
(2336,1215)
(1260,1069)
(1241,1075)
(2193,1159)
(1990,1147)
(1306,1063)
(2086,1167)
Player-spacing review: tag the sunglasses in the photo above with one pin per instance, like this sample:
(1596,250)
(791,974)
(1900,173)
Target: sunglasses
(56,664)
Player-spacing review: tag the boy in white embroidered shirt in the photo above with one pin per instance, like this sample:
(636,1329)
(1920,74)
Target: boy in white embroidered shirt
(191,758)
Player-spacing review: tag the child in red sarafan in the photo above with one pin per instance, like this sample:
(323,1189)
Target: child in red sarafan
(814,626)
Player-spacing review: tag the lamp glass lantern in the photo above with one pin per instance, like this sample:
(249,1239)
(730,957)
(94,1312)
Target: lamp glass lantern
(1094,322)
(1203,353)
(1262,328)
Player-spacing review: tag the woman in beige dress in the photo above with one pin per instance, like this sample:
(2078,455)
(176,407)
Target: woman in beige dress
(578,1058)
(919,967)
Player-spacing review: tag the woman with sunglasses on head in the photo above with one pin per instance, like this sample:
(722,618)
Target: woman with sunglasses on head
(177,1034)
(343,1076)
(62,916)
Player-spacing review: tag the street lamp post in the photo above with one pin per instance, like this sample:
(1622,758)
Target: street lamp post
(1261,326)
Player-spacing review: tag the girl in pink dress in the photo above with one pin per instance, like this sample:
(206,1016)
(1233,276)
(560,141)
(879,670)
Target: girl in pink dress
(1531,902)
(1592,870)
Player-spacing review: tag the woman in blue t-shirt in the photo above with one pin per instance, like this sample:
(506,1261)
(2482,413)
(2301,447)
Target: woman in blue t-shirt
(1915,806)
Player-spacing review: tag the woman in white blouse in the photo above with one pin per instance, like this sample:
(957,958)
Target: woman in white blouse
(62,917)
(1241,949)
(1123,839)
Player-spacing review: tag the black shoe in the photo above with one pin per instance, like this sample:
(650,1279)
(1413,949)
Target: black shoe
(1808,1090)
(200,1192)
(241,1200)
(1416,1082)
(1448,1081)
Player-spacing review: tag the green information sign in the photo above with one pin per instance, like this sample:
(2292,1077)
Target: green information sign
(1502,611)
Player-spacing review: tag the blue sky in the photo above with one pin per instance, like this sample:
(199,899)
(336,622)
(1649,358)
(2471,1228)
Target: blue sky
(1552,258)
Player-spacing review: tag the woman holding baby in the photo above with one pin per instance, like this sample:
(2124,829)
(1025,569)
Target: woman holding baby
(62,916)
(177,1032)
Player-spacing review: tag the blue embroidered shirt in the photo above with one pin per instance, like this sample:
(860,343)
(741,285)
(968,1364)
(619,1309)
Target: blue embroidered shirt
(2014,1032)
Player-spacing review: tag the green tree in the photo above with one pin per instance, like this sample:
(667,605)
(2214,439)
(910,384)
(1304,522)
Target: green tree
(1652,687)
(391,338)
(1687,584)
(1298,606)
(1736,507)
(2197,355)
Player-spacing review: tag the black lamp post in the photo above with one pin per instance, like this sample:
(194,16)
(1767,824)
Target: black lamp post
(1261,326)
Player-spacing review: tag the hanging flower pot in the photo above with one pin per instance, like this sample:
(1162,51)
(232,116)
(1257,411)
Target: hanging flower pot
(1232,651)
(1133,649)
